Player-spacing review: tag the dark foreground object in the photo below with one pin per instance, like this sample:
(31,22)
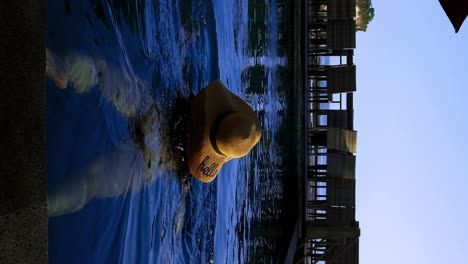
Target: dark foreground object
(23,193)
(456,10)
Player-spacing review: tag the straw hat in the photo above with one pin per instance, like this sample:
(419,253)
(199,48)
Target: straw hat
(222,127)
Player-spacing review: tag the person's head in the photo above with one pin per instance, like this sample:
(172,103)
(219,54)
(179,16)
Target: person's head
(222,127)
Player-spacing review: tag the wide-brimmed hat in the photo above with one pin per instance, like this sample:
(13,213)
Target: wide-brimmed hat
(222,127)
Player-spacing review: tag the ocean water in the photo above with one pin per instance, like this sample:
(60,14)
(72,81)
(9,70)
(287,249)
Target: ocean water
(118,188)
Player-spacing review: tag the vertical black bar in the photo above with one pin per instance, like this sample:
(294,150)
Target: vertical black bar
(23,209)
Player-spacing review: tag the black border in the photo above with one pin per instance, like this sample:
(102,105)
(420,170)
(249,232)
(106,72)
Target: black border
(23,185)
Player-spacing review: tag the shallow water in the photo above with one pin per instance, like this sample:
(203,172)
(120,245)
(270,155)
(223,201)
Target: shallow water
(119,196)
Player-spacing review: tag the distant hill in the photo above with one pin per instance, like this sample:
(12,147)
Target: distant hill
(365,14)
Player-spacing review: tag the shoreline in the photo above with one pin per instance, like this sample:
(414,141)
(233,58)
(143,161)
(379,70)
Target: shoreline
(296,90)
(294,186)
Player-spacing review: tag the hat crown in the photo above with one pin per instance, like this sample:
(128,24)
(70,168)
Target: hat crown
(222,127)
(236,135)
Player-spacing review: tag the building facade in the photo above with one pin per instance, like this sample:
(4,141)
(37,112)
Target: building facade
(329,232)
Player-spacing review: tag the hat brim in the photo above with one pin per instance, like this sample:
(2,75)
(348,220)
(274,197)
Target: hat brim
(213,101)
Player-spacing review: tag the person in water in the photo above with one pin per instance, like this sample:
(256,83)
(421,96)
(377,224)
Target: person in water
(131,164)
(220,127)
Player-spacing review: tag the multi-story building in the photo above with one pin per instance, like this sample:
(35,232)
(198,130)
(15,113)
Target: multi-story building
(327,231)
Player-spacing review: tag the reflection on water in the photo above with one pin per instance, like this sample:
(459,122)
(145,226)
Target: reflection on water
(260,193)
(117,103)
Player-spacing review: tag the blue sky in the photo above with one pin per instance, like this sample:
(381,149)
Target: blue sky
(412,121)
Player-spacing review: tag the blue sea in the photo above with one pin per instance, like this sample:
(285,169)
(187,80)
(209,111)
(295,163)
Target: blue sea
(118,190)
